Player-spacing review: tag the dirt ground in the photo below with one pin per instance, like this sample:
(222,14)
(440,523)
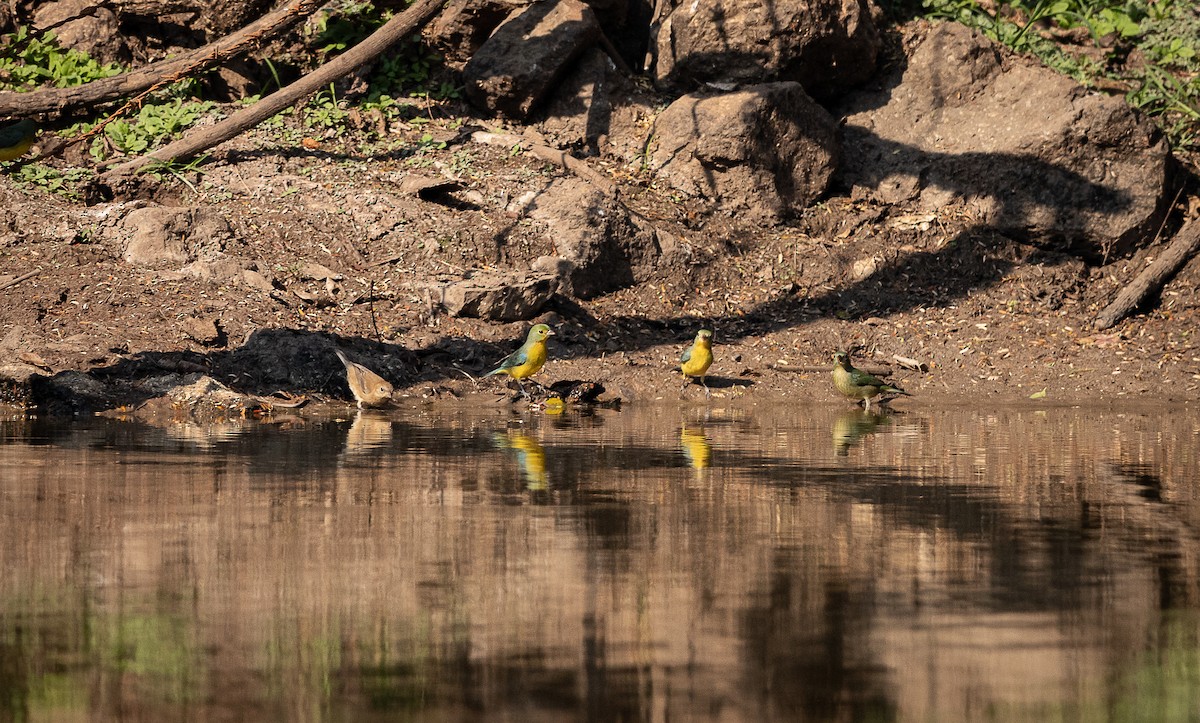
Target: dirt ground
(330,252)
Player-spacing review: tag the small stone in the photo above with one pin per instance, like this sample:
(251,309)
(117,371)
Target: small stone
(500,297)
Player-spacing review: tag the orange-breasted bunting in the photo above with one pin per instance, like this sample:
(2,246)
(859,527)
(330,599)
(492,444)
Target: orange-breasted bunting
(697,359)
(528,360)
(857,384)
(17,139)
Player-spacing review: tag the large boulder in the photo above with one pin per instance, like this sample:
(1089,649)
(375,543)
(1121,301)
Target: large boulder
(579,113)
(759,153)
(523,61)
(599,245)
(1017,146)
(463,25)
(826,45)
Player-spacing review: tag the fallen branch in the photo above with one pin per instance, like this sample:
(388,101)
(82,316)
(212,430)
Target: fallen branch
(560,158)
(876,369)
(201,139)
(13,282)
(256,34)
(1151,280)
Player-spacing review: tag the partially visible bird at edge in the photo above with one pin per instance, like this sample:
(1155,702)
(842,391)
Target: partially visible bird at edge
(528,359)
(16,139)
(697,359)
(368,388)
(857,384)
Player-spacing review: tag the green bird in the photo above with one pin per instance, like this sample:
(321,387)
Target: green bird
(528,360)
(16,139)
(857,384)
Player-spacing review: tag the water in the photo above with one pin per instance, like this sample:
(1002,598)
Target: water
(806,564)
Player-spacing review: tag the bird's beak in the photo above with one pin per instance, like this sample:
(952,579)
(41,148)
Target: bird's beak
(550,332)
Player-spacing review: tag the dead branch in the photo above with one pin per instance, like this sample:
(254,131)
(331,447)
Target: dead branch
(546,153)
(254,35)
(201,139)
(1151,280)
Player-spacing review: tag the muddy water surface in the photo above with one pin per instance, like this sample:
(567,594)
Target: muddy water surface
(658,564)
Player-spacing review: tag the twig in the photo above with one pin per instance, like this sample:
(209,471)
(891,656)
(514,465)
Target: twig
(1151,280)
(13,282)
(546,153)
(878,370)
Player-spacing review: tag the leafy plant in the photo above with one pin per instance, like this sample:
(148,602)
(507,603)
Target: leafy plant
(341,25)
(27,61)
(152,125)
(63,182)
(324,111)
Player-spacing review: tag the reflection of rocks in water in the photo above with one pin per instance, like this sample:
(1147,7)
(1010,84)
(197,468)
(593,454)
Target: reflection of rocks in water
(850,428)
(695,447)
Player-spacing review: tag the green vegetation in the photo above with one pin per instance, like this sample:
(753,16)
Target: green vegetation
(65,182)
(28,61)
(154,124)
(1149,47)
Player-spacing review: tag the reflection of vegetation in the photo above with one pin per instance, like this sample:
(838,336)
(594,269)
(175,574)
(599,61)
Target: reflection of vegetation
(161,651)
(1164,684)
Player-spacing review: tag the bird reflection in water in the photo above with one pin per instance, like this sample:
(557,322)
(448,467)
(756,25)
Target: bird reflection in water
(696,448)
(369,431)
(850,428)
(531,457)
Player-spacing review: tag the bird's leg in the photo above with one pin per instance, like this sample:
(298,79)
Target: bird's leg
(867,402)
(707,394)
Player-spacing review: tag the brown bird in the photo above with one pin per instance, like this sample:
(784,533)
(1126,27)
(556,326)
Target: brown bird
(370,389)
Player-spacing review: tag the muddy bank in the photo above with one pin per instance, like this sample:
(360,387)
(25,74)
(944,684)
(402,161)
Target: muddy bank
(426,253)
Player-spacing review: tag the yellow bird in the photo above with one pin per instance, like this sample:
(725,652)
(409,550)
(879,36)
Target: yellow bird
(370,389)
(528,360)
(17,139)
(697,359)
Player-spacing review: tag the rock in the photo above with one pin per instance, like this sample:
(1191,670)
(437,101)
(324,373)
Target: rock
(826,45)
(527,56)
(500,297)
(204,331)
(16,382)
(85,26)
(761,152)
(580,111)
(463,25)
(1022,149)
(603,245)
(163,235)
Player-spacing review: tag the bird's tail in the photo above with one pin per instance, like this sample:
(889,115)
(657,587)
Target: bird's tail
(896,390)
(340,355)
